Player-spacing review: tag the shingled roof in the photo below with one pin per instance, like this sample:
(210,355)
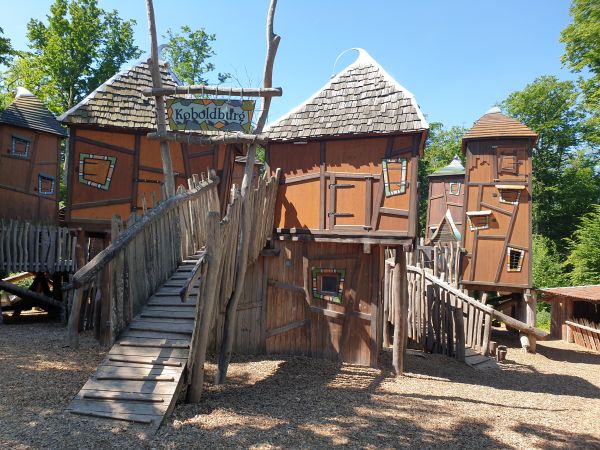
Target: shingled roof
(494,124)
(119,102)
(454,168)
(362,99)
(27,111)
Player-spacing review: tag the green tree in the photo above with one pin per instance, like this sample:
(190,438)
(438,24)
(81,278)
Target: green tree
(564,176)
(6,50)
(187,53)
(443,144)
(547,268)
(584,259)
(582,55)
(80,47)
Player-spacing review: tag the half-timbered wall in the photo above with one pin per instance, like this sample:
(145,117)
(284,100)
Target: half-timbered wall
(110,172)
(28,174)
(302,319)
(497,221)
(339,186)
(445,193)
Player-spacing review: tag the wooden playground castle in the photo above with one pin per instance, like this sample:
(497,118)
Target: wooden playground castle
(314,256)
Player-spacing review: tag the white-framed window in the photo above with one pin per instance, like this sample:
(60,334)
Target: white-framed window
(394,175)
(479,220)
(19,147)
(454,188)
(45,184)
(514,259)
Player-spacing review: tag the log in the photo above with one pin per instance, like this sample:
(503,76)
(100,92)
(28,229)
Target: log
(161,125)
(214,90)
(30,295)
(245,224)
(530,313)
(510,321)
(74,318)
(196,138)
(400,309)
(210,295)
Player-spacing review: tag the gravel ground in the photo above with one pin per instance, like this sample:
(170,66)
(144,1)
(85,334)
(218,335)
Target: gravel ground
(550,400)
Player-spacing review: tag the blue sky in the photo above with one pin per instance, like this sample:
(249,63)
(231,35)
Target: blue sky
(458,57)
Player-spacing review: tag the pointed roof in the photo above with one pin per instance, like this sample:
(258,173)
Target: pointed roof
(454,168)
(494,124)
(440,230)
(119,102)
(362,99)
(27,111)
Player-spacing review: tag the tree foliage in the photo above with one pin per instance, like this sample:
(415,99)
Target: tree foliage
(585,250)
(547,268)
(565,179)
(80,47)
(6,50)
(187,53)
(443,144)
(582,54)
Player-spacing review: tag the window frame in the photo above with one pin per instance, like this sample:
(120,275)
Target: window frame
(317,284)
(402,185)
(111,168)
(509,265)
(44,176)
(454,183)
(12,151)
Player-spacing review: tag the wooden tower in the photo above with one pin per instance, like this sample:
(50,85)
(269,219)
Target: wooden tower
(497,218)
(445,203)
(112,165)
(30,138)
(349,159)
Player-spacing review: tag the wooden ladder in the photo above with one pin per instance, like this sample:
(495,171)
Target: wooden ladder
(140,379)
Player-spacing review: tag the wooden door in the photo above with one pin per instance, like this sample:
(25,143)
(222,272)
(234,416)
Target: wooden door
(322,301)
(350,200)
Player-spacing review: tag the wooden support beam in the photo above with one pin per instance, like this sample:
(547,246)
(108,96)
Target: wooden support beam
(30,295)
(221,138)
(161,124)
(214,90)
(400,288)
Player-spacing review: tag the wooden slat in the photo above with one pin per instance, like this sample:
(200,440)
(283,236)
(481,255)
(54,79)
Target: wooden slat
(123,397)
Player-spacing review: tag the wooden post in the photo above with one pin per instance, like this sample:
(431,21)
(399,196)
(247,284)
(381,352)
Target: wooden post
(245,226)
(73,324)
(209,299)
(531,313)
(161,126)
(400,311)
(386,303)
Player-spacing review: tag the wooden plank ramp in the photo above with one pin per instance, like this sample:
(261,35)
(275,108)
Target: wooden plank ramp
(143,374)
(478,361)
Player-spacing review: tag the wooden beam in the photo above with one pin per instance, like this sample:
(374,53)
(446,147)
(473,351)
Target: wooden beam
(161,124)
(221,138)
(285,328)
(213,90)
(30,295)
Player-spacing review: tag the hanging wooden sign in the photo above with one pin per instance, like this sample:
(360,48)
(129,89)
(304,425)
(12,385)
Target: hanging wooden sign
(210,114)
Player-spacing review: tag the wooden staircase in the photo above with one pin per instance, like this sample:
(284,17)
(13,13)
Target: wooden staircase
(143,374)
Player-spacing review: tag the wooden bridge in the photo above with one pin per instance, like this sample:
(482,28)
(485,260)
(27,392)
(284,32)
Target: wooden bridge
(156,288)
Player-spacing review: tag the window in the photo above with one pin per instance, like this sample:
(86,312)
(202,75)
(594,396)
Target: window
(514,259)
(507,164)
(454,188)
(20,147)
(509,194)
(479,220)
(394,176)
(328,284)
(432,230)
(45,184)
(96,170)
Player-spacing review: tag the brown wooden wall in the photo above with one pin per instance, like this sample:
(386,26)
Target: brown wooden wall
(298,323)
(137,172)
(491,163)
(19,196)
(441,199)
(335,186)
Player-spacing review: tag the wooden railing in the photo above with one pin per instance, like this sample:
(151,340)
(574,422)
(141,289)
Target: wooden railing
(35,247)
(441,317)
(584,333)
(110,289)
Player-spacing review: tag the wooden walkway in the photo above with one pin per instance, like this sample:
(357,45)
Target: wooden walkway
(140,379)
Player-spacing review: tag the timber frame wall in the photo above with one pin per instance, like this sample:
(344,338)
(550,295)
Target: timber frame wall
(509,224)
(19,185)
(440,200)
(137,173)
(332,189)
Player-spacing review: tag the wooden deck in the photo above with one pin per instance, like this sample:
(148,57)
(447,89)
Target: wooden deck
(140,379)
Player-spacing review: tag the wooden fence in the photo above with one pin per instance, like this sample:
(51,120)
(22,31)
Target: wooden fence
(443,318)
(36,247)
(113,287)
(584,333)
